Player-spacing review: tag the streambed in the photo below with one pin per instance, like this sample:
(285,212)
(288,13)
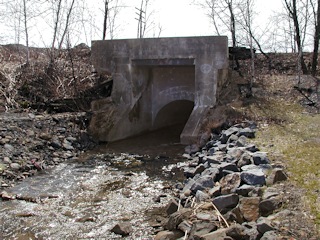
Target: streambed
(85,198)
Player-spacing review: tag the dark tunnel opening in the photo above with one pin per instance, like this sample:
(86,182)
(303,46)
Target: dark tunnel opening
(174,113)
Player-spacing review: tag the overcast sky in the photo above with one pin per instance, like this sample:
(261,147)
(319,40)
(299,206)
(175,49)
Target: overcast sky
(181,18)
(174,17)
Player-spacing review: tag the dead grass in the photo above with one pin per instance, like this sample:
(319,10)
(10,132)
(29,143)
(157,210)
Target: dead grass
(291,135)
(296,144)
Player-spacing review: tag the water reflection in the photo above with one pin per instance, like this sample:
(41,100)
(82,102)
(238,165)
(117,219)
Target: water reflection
(165,142)
(157,149)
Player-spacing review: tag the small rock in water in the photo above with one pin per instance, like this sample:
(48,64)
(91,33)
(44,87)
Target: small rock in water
(270,235)
(31,115)
(15,166)
(30,133)
(123,229)
(8,147)
(45,136)
(6,160)
(6,196)
(168,235)
(2,167)
(67,146)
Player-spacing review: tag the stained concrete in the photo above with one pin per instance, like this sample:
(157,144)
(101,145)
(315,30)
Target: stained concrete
(154,77)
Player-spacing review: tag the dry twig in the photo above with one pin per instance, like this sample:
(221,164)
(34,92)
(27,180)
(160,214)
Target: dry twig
(220,215)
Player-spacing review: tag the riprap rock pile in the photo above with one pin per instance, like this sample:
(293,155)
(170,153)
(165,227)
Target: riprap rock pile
(228,192)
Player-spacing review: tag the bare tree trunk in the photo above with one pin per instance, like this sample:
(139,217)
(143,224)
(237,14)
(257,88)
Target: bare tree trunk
(67,24)
(70,54)
(113,13)
(316,42)
(232,23)
(140,21)
(55,31)
(26,30)
(105,19)
(261,50)
(252,77)
(292,8)
(212,15)
(318,92)
(299,66)
(145,17)
(233,33)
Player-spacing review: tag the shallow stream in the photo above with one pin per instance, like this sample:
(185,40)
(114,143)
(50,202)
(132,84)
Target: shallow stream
(84,199)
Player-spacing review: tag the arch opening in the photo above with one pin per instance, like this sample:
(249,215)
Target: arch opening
(174,113)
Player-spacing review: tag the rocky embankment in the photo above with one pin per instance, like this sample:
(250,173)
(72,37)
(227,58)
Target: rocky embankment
(30,143)
(230,192)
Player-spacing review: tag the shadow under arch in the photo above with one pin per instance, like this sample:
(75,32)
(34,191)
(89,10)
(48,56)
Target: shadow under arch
(174,113)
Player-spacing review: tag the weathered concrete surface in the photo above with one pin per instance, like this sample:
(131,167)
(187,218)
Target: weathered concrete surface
(157,82)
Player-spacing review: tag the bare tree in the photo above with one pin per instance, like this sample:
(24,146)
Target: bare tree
(212,14)
(105,18)
(62,20)
(67,24)
(110,15)
(19,17)
(26,29)
(113,16)
(292,8)
(222,14)
(143,18)
(316,14)
(316,38)
(57,9)
(247,16)
(247,11)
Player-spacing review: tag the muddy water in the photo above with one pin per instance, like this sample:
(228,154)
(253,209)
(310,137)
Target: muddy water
(84,199)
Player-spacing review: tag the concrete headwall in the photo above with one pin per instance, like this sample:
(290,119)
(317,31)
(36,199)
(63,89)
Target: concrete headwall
(149,74)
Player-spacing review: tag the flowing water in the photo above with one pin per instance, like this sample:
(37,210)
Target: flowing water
(84,199)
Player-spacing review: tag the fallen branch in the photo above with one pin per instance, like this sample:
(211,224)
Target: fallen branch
(185,235)
(301,91)
(220,215)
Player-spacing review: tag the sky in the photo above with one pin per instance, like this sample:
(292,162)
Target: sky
(181,18)
(175,17)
